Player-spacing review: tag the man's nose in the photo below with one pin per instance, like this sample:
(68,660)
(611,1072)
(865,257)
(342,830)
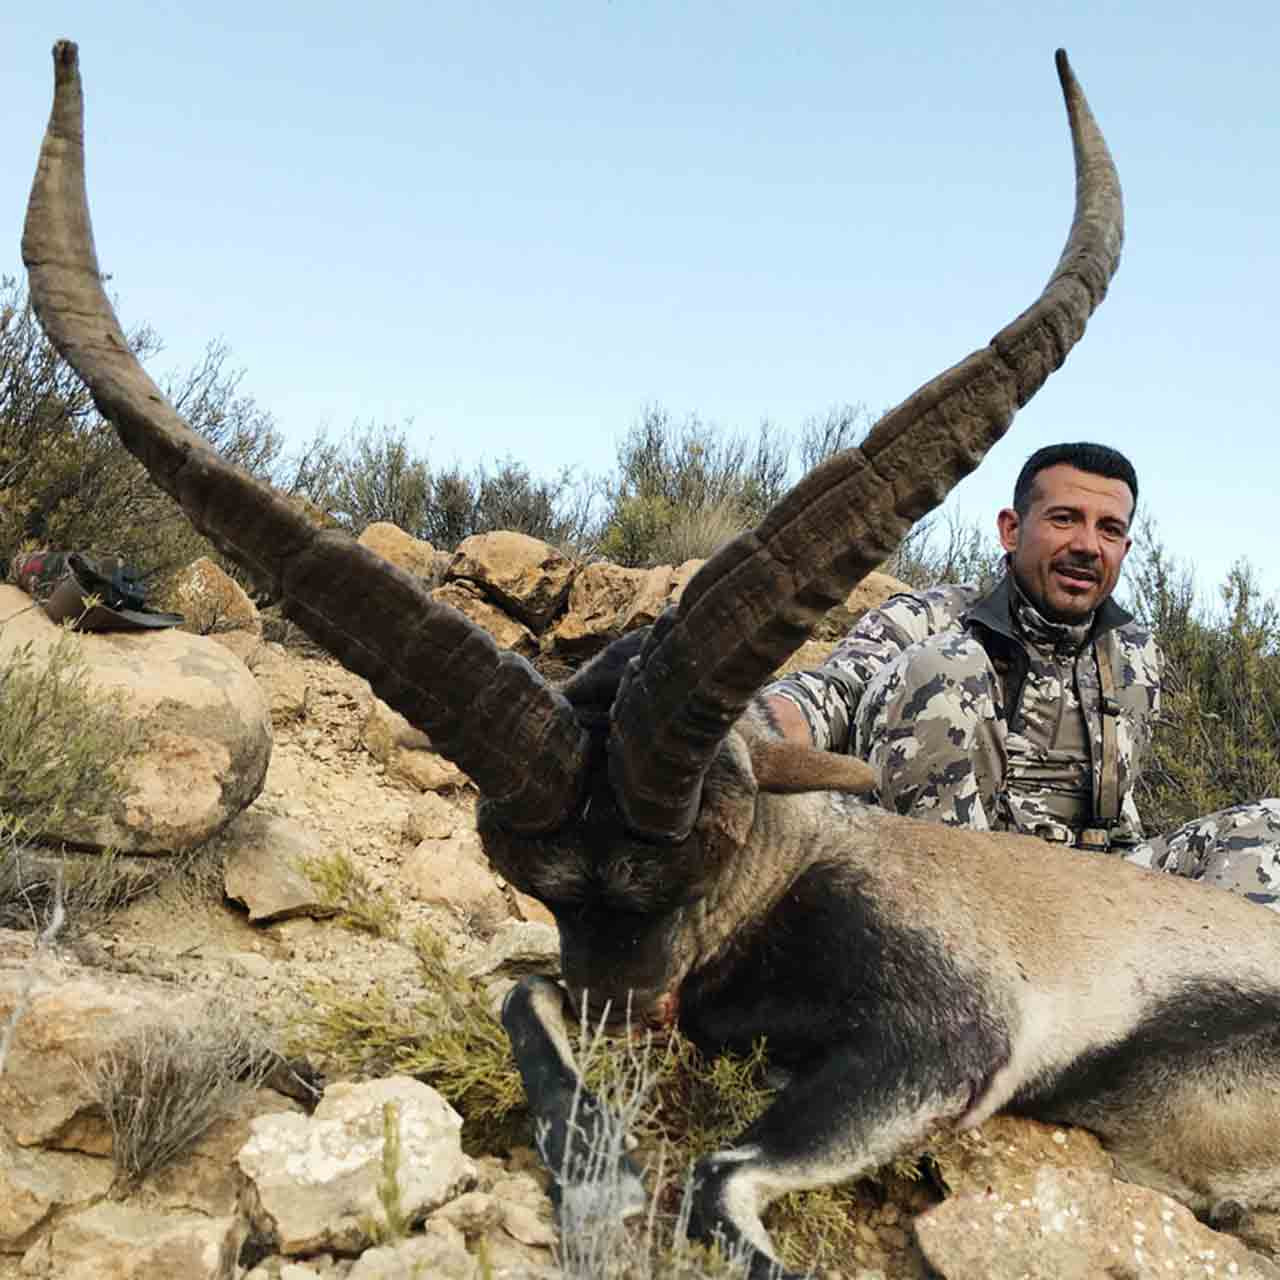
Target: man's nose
(1085,541)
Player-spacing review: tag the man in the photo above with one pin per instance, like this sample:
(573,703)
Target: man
(1027,708)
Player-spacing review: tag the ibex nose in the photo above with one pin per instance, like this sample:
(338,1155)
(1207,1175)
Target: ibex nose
(634,1012)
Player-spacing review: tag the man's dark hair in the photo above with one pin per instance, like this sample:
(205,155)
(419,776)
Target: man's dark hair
(1096,459)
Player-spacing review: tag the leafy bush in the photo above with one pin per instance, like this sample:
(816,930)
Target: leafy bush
(672,480)
(375,475)
(1218,742)
(65,479)
(449,1038)
(945,547)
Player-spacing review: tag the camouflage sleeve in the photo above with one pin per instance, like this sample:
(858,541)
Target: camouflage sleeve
(1142,668)
(828,695)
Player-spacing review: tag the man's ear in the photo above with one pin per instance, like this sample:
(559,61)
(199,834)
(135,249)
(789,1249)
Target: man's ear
(1007,524)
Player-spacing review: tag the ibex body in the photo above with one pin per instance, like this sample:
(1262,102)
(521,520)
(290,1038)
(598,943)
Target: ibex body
(912,977)
(906,975)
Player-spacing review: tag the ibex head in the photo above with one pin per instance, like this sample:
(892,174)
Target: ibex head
(620,800)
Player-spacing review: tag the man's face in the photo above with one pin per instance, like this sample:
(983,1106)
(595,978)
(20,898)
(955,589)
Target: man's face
(1066,552)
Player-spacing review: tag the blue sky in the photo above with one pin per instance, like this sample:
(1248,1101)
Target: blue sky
(515,225)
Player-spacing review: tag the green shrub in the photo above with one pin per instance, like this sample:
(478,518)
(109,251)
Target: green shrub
(375,475)
(449,1038)
(62,745)
(676,1104)
(1218,741)
(67,482)
(688,485)
(351,895)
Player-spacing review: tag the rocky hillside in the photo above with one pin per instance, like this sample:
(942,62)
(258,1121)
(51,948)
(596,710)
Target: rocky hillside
(272,980)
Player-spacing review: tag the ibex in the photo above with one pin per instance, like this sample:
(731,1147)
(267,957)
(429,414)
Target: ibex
(906,976)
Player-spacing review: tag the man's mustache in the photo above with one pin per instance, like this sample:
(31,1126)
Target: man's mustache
(1080,563)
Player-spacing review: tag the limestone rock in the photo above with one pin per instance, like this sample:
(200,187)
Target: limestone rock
(514,1233)
(519,948)
(1059,1223)
(322,1266)
(414,555)
(659,589)
(526,576)
(405,752)
(1008,1147)
(68,1017)
(246,645)
(431,817)
(213,602)
(386,731)
(313,1180)
(454,872)
(427,1255)
(33,1183)
(600,594)
(206,736)
(262,867)
(531,909)
(426,771)
(508,632)
(113,1241)
(607,600)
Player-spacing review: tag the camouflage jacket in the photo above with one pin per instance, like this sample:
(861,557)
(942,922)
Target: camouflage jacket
(1030,688)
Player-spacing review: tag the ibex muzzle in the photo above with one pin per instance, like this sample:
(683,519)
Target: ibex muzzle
(908,976)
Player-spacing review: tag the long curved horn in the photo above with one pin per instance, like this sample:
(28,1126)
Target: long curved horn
(754,603)
(487,710)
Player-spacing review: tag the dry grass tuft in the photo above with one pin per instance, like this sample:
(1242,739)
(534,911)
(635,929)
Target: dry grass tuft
(92,886)
(353,897)
(163,1085)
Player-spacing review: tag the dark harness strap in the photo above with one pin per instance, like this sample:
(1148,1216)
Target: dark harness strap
(1106,806)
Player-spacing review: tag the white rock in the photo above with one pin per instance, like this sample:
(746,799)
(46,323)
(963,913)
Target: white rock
(315,1179)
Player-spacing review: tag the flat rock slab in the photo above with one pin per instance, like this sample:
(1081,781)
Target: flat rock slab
(33,1183)
(114,1241)
(454,872)
(68,1016)
(263,860)
(1077,1224)
(525,576)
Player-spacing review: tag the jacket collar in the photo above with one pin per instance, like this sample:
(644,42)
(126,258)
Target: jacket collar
(995,611)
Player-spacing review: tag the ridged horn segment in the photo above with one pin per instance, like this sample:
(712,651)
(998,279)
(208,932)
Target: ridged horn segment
(754,603)
(487,710)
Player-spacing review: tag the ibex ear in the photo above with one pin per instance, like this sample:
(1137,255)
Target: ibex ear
(728,809)
(790,767)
